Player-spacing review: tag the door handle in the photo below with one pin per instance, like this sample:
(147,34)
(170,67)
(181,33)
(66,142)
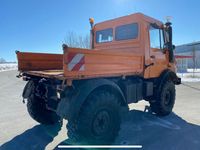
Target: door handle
(146,66)
(153,56)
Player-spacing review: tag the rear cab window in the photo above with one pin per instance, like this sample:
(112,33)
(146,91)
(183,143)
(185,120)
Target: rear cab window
(122,32)
(105,35)
(126,32)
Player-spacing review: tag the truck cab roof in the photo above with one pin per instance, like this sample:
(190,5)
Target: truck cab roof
(120,20)
(134,24)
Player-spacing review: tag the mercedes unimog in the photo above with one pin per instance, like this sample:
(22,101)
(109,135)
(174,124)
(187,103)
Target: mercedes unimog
(131,59)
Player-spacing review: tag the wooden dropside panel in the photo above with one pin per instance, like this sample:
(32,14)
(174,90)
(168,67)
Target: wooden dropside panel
(39,61)
(83,63)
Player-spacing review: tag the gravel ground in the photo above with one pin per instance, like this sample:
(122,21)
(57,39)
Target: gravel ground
(180,130)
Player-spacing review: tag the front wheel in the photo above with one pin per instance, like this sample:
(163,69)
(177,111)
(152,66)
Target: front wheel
(99,119)
(165,99)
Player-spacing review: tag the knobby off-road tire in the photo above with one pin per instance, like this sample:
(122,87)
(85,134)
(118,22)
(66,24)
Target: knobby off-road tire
(99,119)
(38,111)
(165,99)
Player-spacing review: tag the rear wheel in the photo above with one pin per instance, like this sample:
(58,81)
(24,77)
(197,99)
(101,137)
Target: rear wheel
(37,109)
(165,99)
(99,119)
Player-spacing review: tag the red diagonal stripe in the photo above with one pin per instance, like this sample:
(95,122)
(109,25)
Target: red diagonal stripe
(70,56)
(78,65)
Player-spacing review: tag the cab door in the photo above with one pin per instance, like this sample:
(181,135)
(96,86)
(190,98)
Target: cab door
(157,55)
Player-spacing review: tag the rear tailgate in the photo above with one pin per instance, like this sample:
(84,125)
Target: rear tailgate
(84,63)
(39,61)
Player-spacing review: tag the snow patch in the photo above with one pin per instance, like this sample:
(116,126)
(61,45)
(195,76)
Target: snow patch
(190,76)
(8,66)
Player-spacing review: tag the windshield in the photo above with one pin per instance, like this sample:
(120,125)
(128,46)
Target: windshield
(156,38)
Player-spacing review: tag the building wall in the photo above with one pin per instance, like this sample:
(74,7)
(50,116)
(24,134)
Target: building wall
(189,50)
(182,64)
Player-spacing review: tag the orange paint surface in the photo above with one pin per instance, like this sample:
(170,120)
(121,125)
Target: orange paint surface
(116,58)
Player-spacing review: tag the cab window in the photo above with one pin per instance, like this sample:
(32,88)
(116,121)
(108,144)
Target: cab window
(105,35)
(156,38)
(126,32)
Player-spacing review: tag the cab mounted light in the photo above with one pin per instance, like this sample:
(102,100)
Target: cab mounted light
(92,32)
(168,18)
(91,22)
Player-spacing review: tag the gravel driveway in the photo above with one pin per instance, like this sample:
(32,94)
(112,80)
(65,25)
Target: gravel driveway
(180,130)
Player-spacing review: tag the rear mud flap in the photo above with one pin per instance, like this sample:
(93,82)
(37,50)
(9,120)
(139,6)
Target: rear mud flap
(29,87)
(63,108)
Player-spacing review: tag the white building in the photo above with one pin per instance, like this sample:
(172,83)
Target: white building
(188,56)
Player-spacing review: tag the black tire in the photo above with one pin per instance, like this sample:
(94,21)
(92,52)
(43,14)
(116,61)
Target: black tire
(165,99)
(38,111)
(99,119)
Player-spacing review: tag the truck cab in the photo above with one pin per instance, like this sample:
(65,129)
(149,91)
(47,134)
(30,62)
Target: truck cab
(137,34)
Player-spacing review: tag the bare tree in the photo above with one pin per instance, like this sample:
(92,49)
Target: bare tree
(2,60)
(79,41)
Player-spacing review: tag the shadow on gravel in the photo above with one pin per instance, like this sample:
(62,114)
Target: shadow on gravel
(138,128)
(159,133)
(36,138)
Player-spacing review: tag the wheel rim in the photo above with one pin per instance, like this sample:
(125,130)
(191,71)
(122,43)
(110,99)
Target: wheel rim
(101,123)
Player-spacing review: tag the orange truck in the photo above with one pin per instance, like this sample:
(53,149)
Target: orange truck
(131,59)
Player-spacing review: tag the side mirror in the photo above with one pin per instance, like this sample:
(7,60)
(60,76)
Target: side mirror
(173,47)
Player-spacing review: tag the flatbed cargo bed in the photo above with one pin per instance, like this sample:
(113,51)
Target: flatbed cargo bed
(77,63)
(59,74)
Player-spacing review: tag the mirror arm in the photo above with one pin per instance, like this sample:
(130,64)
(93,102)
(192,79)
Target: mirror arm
(155,25)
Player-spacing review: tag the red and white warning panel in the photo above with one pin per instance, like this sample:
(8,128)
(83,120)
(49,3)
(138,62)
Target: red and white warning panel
(76,62)
(84,63)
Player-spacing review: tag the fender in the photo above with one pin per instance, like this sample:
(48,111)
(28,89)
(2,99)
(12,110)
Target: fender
(71,102)
(167,75)
(29,87)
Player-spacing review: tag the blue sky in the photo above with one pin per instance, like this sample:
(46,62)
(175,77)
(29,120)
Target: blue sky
(42,25)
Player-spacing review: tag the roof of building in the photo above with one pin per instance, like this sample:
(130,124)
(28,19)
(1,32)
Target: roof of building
(188,47)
